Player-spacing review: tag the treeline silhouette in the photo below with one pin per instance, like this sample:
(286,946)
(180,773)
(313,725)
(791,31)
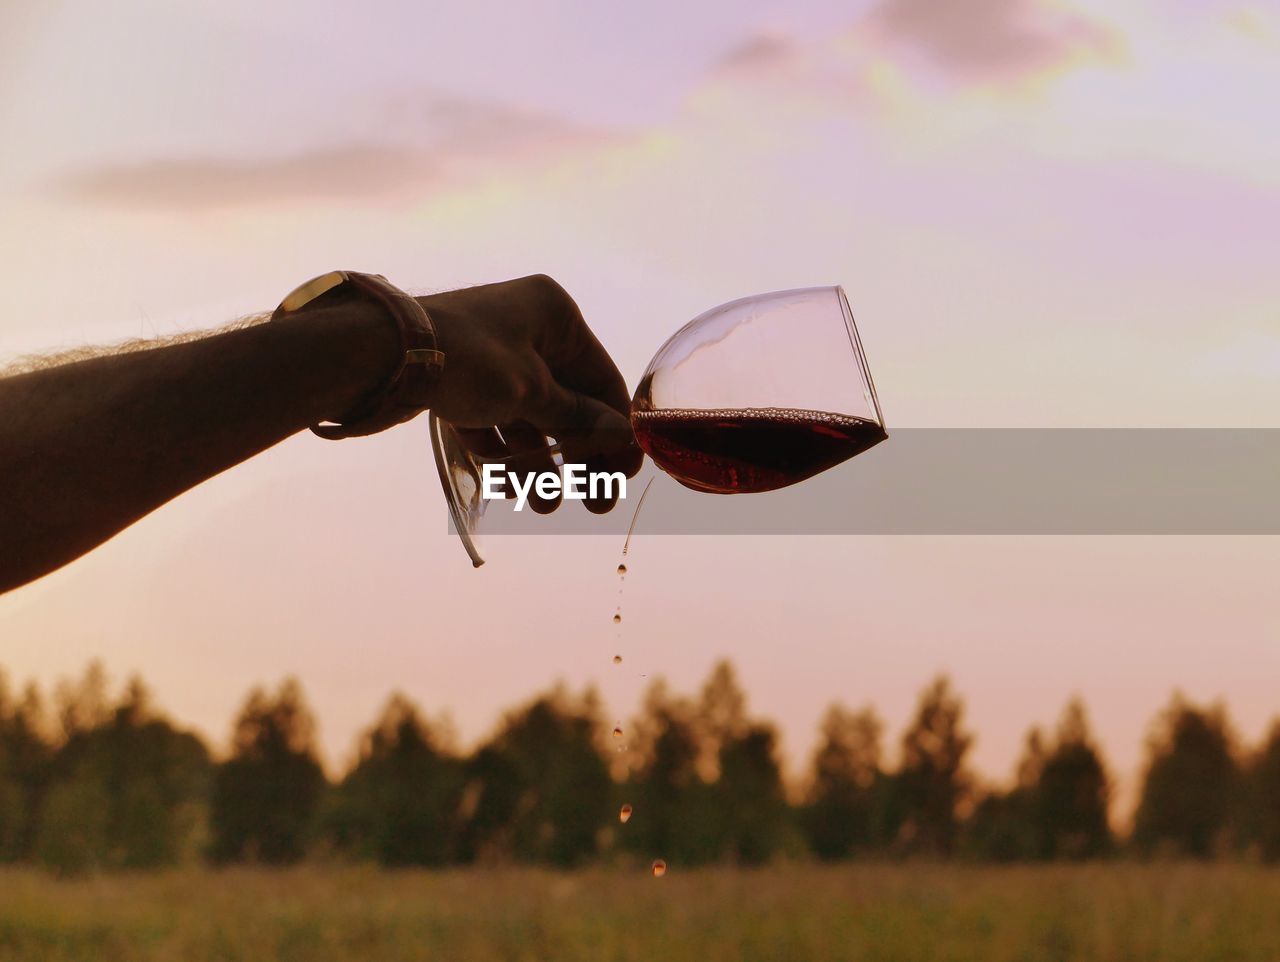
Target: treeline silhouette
(90,781)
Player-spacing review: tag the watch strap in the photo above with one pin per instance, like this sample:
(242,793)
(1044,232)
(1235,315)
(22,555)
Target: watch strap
(410,389)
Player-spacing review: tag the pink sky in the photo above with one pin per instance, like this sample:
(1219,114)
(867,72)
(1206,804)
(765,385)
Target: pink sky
(1044,214)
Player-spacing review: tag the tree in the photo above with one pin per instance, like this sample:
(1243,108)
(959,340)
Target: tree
(665,788)
(1258,817)
(125,789)
(26,755)
(74,834)
(1001,827)
(266,795)
(1057,807)
(721,716)
(932,782)
(749,797)
(1190,782)
(840,813)
(1070,798)
(539,789)
(707,786)
(400,803)
(85,704)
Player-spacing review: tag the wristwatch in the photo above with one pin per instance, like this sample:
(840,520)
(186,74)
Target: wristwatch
(409,390)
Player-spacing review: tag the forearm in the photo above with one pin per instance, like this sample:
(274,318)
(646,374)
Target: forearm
(88,448)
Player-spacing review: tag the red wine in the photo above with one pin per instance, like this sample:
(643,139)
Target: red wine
(750,449)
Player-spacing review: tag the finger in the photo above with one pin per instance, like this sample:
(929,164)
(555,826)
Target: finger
(590,433)
(529,456)
(573,353)
(582,364)
(606,439)
(578,361)
(484,442)
(579,422)
(603,454)
(601,503)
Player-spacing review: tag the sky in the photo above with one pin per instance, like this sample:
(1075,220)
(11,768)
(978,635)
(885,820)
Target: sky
(1045,214)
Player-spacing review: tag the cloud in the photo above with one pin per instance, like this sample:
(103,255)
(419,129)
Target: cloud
(779,66)
(208,182)
(425,144)
(899,46)
(991,39)
(762,50)
(440,143)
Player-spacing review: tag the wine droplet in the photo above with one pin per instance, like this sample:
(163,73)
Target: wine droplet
(622,569)
(659,868)
(617,731)
(617,619)
(617,659)
(624,814)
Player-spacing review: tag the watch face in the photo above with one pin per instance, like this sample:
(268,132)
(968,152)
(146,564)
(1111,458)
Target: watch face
(309,291)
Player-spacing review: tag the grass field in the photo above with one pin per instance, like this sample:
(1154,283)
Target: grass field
(872,912)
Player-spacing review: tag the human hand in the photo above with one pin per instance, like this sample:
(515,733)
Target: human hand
(520,358)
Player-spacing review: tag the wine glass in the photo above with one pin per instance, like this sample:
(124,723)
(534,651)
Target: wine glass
(753,395)
(759,393)
(461,471)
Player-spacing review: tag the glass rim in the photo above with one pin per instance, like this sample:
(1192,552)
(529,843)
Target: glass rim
(461,525)
(859,352)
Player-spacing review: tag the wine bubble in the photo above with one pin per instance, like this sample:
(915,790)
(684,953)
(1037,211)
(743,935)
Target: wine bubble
(617,659)
(624,814)
(617,731)
(617,619)
(622,569)
(659,868)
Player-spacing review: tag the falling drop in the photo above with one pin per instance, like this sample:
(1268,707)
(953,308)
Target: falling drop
(624,814)
(617,659)
(622,569)
(617,731)
(617,619)
(659,868)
